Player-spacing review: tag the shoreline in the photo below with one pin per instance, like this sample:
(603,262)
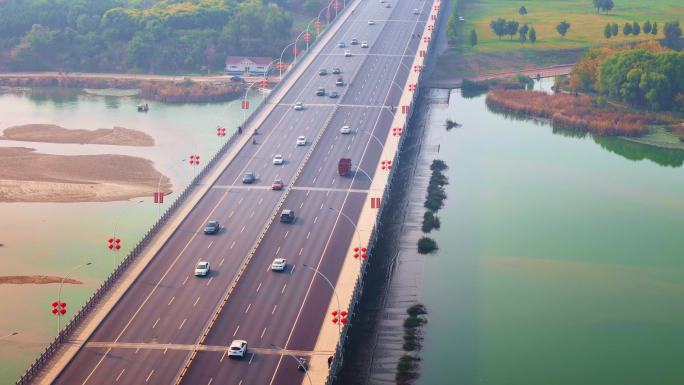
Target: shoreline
(36,280)
(51,133)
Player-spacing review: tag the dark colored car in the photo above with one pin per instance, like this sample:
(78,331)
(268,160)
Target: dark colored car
(320,91)
(333,95)
(212,227)
(235,79)
(287,216)
(323,72)
(336,71)
(249,177)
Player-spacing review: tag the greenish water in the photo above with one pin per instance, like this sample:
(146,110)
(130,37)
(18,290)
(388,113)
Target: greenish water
(52,238)
(561,258)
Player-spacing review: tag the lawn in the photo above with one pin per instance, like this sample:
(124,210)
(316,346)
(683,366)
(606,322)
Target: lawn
(492,55)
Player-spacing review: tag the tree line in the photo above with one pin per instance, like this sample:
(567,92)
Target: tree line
(127,35)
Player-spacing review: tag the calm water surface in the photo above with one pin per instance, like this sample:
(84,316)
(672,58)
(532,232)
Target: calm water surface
(52,238)
(561,258)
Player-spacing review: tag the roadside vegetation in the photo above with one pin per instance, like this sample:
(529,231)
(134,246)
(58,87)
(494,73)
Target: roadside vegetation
(434,201)
(497,36)
(407,368)
(167,36)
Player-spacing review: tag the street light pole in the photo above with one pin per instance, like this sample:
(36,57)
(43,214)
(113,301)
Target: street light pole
(59,292)
(339,324)
(299,362)
(358,234)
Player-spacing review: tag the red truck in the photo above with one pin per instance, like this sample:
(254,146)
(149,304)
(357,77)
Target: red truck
(344,166)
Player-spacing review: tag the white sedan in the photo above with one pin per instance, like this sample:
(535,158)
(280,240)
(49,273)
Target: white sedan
(278,159)
(371,22)
(238,348)
(299,106)
(345,130)
(347,53)
(279,264)
(301,140)
(202,269)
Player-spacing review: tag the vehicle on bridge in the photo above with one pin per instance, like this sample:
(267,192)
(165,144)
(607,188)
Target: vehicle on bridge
(287,216)
(278,159)
(354,41)
(333,95)
(364,44)
(345,130)
(344,166)
(202,269)
(323,72)
(238,348)
(212,227)
(320,91)
(299,106)
(339,82)
(277,185)
(301,140)
(336,71)
(249,177)
(279,264)
(347,53)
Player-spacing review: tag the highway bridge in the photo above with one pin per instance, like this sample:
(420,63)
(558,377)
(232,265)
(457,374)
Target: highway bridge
(173,327)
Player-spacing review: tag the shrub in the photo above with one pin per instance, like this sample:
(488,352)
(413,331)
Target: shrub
(426,245)
(430,221)
(438,165)
(416,310)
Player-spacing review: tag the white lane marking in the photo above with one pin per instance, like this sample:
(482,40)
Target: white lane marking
(209,281)
(327,193)
(283,291)
(320,169)
(232,244)
(314,180)
(248,307)
(155,323)
(120,373)
(243,228)
(240,201)
(315,219)
(252,214)
(165,350)
(137,350)
(259,287)
(308,235)
(333,182)
(301,205)
(149,375)
(277,250)
(307,192)
(287,232)
(236,330)
(210,381)
(250,362)
(186,279)
(260,200)
(224,354)
(240,383)
(301,251)
(195,304)
(292,271)
(170,302)
(222,260)
(321,208)
(274,309)
(210,243)
(262,334)
(231,214)
(182,323)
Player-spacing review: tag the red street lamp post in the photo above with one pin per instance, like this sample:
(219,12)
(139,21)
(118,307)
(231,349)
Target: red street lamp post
(114,244)
(339,324)
(59,307)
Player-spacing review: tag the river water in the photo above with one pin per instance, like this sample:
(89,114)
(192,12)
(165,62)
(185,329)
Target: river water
(561,258)
(52,238)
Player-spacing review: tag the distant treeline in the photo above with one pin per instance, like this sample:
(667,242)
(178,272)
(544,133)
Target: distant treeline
(145,36)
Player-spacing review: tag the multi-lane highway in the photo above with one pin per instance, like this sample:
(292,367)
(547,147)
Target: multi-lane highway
(151,333)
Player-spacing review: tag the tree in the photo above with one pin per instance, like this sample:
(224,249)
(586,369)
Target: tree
(636,30)
(533,35)
(654,28)
(627,29)
(607,32)
(603,5)
(522,11)
(672,32)
(473,38)
(614,29)
(647,27)
(563,27)
(523,33)
(512,28)
(498,26)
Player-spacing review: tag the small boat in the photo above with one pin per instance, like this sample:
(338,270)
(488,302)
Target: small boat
(143,107)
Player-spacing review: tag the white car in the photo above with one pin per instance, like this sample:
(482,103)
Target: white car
(301,140)
(371,22)
(279,264)
(416,11)
(347,53)
(278,159)
(345,130)
(364,44)
(238,348)
(202,269)
(299,106)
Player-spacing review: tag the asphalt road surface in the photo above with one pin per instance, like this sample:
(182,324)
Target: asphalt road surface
(169,305)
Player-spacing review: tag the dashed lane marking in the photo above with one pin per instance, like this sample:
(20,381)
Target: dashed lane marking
(120,374)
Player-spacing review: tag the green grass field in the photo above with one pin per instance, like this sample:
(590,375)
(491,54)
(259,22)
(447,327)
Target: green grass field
(492,55)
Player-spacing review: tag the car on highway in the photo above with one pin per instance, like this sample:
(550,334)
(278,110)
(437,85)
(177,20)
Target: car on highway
(212,227)
(238,348)
(336,71)
(301,140)
(364,44)
(303,364)
(202,269)
(323,72)
(249,177)
(287,216)
(299,106)
(345,130)
(416,11)
(320,91)
(279,264)
(461,19)
(347,53)
(339,82)
(235,79)
(341,44)
(354,41)
(278,159)
(277,185)
(333,95)
(371,22)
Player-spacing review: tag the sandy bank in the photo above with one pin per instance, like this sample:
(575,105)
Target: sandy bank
(27,176)
(55,134)
(35,279)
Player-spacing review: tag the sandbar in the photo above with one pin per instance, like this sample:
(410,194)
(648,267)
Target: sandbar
(51,133)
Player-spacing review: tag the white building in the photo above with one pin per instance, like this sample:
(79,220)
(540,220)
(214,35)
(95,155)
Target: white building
(248,65)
